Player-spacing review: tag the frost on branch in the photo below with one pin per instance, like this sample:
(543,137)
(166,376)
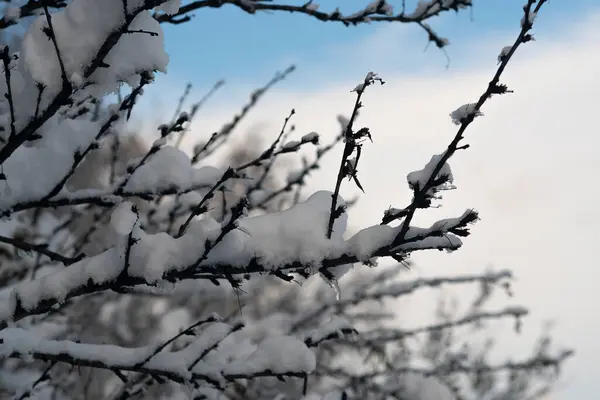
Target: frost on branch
(134,268)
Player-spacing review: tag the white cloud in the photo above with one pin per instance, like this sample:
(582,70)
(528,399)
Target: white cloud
(532,169)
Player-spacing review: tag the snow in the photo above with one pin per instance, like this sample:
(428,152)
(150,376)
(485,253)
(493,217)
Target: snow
(123,218)
(375,7)
(413,386)
(369,78)
(291,144)
(294,176)
(367,240)
(132,54)
(278,354)
(447,242)
(386,8)
(276,239)
(530,18)
(22,341)
(91,22)
(504,52)
(426,8)
(170,7)
(338,272)
(171,168)
(114,108)
(209,337)
(76,54)
(418,179)
(56,286)
(33,171)
(155,253)
(358,88)
(335,326)
(310,137)
(393,212)
(461,113)
(273,355)
(17,82)
(447,224)
(312,6)
(259,195)
(160,142)
(297,233)
(11,13)
(335,395)
(76,80)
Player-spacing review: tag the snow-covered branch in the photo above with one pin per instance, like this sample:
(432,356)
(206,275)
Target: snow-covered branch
(376,11)
(185,365)
(116,253)
(437,174)
(12,14)
(290,242)
(67,70)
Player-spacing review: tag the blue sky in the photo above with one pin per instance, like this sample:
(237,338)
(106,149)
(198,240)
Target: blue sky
(228,43)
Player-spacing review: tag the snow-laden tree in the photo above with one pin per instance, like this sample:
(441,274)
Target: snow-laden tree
(139,271)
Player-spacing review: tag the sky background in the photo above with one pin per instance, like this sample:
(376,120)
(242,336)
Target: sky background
(532,167)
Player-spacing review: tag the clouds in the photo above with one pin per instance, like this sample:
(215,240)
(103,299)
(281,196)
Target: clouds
(531,172)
